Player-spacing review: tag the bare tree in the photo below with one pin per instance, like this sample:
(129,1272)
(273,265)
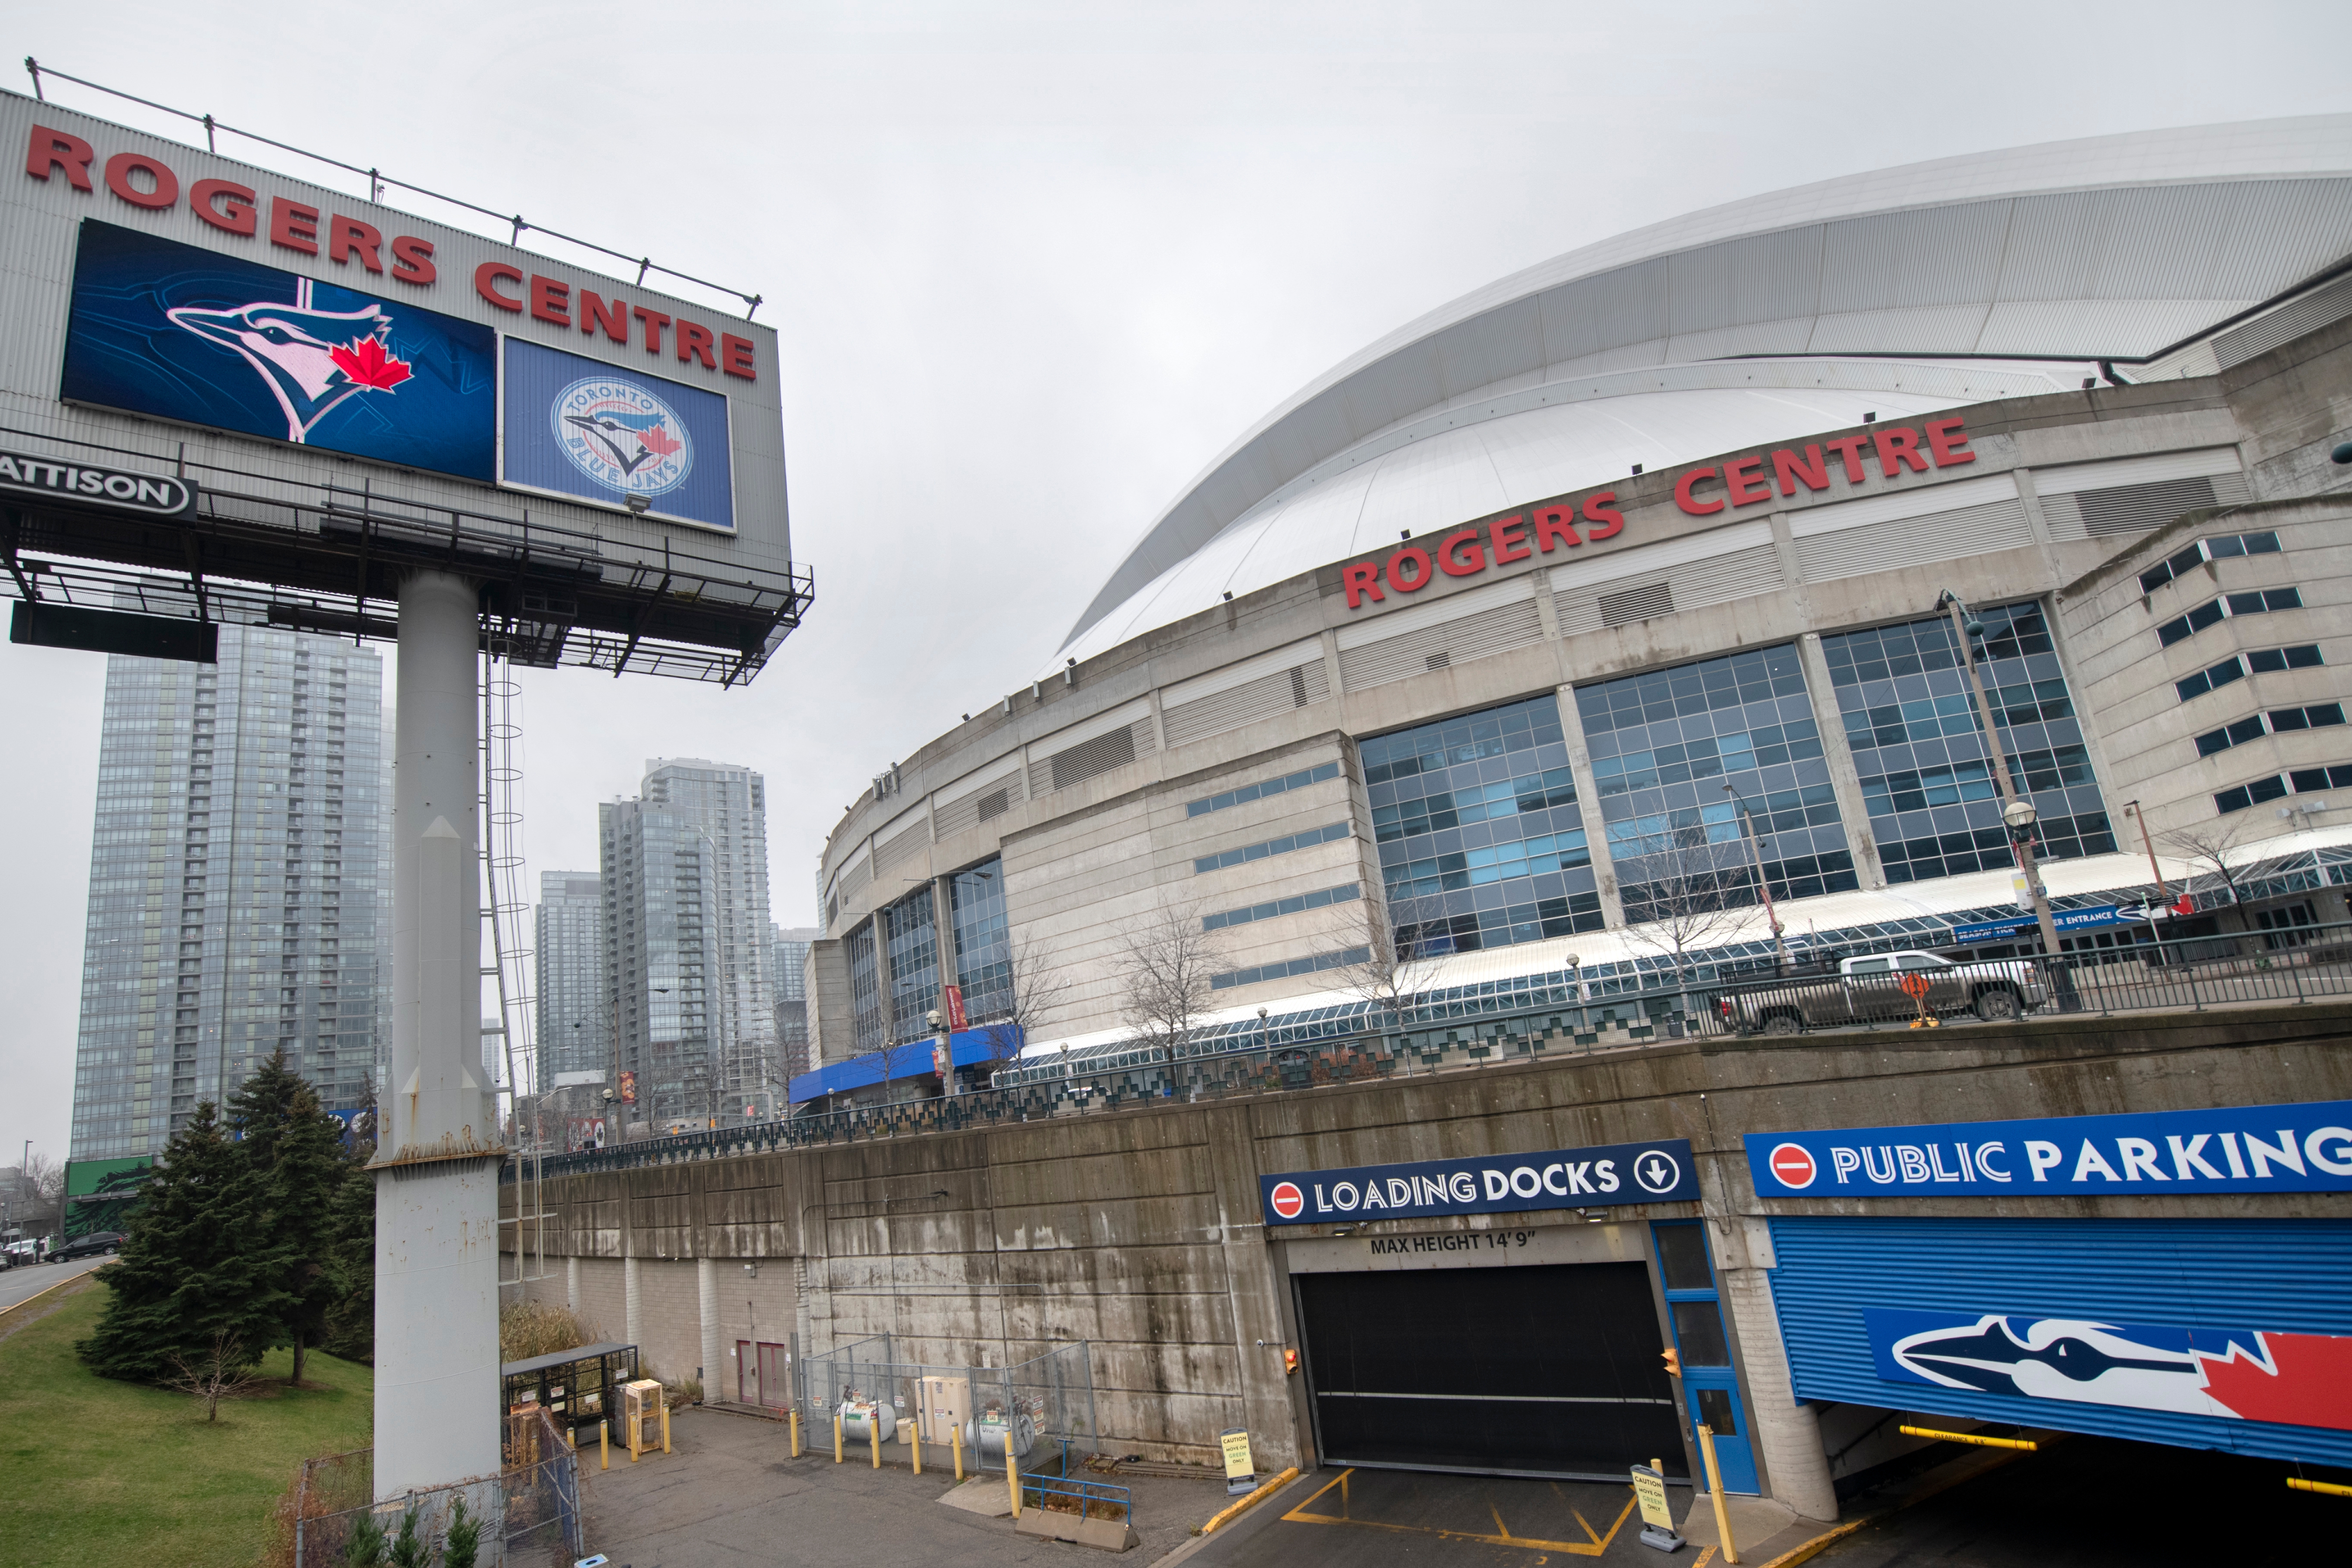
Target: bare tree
(40,1204)
(1401,939)
(1165,963)
(2219,846)
(1035,989)
(218,1373)
(1694,904)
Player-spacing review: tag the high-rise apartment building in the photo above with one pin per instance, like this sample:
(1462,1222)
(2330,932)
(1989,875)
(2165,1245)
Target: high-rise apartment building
(575,1033)
(687,972)
(789,965)
(239,894)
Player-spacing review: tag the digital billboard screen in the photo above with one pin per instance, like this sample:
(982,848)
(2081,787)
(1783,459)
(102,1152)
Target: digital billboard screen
(595,432)
(168,330)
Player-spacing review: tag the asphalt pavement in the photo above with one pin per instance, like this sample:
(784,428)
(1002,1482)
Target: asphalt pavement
(29,1280)
(2097,1502)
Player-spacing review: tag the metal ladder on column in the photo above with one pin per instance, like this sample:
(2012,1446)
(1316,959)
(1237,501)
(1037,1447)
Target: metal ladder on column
(506,910)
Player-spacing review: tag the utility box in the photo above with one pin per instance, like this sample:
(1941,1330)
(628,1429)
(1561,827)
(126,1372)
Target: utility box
(944,1405)
(644,1417)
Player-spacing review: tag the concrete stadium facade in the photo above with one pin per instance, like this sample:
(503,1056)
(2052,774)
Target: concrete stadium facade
(1623,575)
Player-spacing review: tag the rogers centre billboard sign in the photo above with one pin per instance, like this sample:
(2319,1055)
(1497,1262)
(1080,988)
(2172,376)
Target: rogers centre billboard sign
(1702,490)
(196,294)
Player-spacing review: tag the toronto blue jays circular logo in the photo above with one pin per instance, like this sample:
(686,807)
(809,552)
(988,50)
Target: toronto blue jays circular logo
(622,436)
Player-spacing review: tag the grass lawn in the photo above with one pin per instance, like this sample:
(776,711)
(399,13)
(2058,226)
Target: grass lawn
(106,1474)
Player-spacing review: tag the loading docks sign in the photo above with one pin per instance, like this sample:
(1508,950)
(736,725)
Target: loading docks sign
(1658,1172)
(2302,1148)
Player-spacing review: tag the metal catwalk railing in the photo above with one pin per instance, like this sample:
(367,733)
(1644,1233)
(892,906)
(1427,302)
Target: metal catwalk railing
(2289,965)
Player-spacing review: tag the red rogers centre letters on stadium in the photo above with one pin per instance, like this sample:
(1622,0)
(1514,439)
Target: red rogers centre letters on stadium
(238,210)
(1740,482)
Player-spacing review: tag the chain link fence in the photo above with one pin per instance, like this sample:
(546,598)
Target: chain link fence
(530,1511)
(1042,1409)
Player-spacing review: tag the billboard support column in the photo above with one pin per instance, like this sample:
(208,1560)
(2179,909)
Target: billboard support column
(436,1322)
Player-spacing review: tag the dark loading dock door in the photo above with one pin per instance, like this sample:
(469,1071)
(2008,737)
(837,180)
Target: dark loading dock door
(1547,1369)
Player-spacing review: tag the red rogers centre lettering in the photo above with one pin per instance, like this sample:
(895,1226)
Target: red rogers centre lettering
(1895,449)
(241,211)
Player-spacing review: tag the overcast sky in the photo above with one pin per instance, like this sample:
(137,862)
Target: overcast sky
(1032,267)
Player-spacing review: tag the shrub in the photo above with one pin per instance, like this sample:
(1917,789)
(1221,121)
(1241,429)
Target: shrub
(530,1329)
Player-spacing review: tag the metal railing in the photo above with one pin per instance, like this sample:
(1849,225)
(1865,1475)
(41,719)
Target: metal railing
(2290,965)
(531,1509)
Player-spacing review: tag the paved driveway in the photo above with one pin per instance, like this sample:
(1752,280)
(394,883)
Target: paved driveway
(31,1279)
(731,1496)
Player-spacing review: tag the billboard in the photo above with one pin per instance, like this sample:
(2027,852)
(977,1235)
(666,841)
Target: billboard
(99,1193)
(190,335)
(612,436)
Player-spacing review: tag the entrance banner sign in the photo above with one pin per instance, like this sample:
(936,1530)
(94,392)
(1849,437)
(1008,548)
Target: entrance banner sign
(619,438)
(1659,1172)
(2100,919)
(2234,1374)
(175,332)
(2304,1148)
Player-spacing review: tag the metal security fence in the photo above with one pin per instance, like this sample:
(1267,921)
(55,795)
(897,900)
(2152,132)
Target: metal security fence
(530,1511)
(1042,1409)
(1727,993)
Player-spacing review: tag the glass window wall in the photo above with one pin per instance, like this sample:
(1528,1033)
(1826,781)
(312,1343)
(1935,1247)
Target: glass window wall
(1481,842)
(1665,746)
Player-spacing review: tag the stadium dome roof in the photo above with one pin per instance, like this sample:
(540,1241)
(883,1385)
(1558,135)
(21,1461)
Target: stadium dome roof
(1930,285)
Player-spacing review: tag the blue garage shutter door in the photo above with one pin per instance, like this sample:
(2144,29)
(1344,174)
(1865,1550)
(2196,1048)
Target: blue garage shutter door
(1840,1280)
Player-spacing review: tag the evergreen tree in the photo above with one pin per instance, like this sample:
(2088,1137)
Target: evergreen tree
(349,1329)
(195,1269)
(295,1151)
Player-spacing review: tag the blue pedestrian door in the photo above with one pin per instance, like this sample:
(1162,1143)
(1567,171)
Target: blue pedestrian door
(1710,1387)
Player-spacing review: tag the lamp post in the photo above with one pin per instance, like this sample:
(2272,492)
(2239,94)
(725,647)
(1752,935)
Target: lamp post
(1756,854)
(943,1045)
(2017,812)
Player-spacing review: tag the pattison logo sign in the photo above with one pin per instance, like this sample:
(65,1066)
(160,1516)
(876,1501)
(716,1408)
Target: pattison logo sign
(1896,450)
(1659,1172)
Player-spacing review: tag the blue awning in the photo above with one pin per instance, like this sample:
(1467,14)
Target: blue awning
(971,1047)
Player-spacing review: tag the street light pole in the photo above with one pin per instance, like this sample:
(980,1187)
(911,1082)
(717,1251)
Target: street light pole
(1756,853)
(2016,811)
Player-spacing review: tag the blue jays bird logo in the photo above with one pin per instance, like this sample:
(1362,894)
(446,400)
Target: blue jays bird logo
(622,436)
(312,361)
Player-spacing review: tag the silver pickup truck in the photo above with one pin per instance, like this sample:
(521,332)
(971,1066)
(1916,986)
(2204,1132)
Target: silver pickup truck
(1871,990)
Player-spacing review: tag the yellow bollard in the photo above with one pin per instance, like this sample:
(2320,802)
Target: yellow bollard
(1715,1491)
(919,1452)
(836,1436)
(955,1441)
(874,1434)
(665,1423)
(605,1445)
(1012,1470)
(796,1432)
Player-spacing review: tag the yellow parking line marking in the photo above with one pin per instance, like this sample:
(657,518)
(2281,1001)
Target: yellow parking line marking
(1596,1544)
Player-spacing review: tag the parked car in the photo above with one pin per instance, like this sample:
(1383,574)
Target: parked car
(1872,989)
(91,1246)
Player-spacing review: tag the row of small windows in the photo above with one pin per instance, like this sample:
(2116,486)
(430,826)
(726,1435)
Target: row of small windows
(2215,549)
(1282,845)
(2254,602)
(1526,921)
(2297,781)
(1298,903)
(1313,964)
(2278,720)
(1731,682)
(1261,790)
(2238,666)
(1432,747)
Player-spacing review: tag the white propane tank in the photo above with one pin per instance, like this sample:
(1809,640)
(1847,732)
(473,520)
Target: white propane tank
(987,1437)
